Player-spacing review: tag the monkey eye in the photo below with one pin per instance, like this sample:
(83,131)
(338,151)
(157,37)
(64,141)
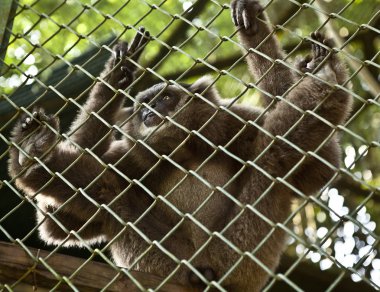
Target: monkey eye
(166,97)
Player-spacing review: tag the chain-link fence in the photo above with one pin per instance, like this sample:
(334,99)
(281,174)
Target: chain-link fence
(175,181)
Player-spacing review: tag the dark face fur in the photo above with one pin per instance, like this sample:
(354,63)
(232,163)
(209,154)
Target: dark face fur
(162,100)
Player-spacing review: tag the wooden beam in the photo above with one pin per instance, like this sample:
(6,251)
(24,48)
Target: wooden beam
(17,264)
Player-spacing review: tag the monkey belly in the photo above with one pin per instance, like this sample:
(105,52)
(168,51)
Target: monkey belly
(195,193)
(194,201)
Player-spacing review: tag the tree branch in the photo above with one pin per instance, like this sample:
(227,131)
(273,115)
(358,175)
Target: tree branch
(177,35)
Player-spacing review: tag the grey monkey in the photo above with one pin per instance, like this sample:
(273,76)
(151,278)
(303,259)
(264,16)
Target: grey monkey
(193,178)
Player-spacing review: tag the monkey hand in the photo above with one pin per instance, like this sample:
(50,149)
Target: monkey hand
(247,15)
(34,135)
(123,69)
(320,59)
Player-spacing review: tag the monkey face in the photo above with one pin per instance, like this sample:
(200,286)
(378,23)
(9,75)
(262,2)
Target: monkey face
(163,105)
(154,104)
(157,105)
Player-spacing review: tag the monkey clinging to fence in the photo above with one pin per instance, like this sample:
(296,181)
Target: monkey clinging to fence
(194,181)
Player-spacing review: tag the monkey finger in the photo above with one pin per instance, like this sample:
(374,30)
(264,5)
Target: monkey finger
(329,43)
(303,64)
(319,38)
(119,50)
(144,40)
(312,36)
(314,45)
(317,49)
(322,50)
(239,15)
(38,114)
(140,39)
(136,53)
(44,118)
(27,121)
(325,51)
(318,61)
(308,58)
(136,40)
(128,71)
(316,35)
(53,121)
(123,83)
(313,49)
(328,46)
(246,21)
(125,69)
(116,54)
(233,13)
(50,119)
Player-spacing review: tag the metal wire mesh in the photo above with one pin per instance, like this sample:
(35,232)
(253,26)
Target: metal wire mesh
(55,55)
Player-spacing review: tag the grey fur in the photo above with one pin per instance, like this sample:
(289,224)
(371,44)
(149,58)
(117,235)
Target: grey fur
(203,118)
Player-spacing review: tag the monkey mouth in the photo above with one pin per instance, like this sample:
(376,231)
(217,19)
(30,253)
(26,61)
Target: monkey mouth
(150,119)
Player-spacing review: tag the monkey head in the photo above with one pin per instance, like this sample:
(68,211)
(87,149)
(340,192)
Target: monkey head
(157,107)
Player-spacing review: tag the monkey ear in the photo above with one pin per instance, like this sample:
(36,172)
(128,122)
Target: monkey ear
(202,85)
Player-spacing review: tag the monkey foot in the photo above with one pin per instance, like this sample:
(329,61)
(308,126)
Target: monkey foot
(321,48)
(245,13)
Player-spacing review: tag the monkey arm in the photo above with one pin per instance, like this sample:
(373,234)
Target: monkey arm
(57,172)
(63,180)
(87,130)
(73,186)
(131,159)
(119,73)
(308,115)
(65,175)
(43,182)
(39,163)
(274,78)
(303,120)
